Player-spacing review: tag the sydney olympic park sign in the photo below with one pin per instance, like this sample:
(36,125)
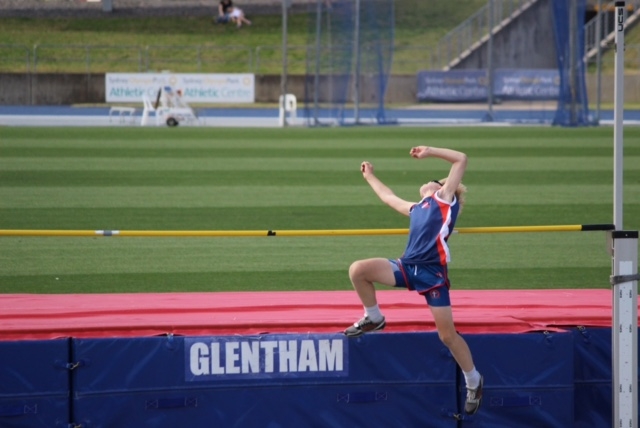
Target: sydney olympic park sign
(194,88)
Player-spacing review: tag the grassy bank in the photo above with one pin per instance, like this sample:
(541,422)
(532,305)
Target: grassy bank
(196,44)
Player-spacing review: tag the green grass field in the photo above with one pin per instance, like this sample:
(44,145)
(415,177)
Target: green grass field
(290,179)
(195,44)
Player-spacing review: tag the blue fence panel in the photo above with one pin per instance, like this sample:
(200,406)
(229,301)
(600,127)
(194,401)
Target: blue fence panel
(399,380)
(34,384)
(291,380)
(528,380)
(452,86)
(471,85)
(593,370)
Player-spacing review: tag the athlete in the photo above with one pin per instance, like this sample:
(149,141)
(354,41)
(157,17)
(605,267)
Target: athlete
(423,266)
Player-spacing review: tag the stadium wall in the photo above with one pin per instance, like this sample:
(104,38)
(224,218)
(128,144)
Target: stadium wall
(526,42)
(81,88)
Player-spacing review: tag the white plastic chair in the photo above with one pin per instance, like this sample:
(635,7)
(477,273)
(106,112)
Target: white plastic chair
(290,106)
(122,112)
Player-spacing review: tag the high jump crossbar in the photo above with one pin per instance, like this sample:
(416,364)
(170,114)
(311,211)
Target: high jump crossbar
(265,233)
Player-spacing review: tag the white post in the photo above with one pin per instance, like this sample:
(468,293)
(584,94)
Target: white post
(618,85)
(318,55)
(356,72)
(599,61)
(573,55)
(145,117)
(624,247)
(624,326)
(283,77)
(489,115)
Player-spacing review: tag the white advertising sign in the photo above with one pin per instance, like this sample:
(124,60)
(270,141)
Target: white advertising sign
(195,88)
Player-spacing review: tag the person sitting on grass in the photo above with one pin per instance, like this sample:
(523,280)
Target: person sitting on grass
(224,9)
(237,15)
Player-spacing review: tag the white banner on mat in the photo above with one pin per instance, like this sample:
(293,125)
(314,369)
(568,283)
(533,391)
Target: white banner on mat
(195,88)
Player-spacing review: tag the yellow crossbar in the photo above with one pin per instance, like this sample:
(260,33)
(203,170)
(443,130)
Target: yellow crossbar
(259,233)
(513,229)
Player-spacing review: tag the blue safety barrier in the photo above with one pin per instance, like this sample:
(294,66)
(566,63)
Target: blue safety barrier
(528,380)
(313,380)
(268,381)
(34,384)
(592,377)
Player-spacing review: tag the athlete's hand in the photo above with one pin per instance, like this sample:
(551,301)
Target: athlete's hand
(366,168)
(419,152)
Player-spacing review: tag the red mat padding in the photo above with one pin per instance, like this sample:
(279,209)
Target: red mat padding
(45,316)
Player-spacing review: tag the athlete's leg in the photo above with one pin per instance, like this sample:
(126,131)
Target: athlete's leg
(363,274)
(461,353)
(449,336)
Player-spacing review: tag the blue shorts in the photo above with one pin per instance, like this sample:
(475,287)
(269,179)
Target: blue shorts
(432,281)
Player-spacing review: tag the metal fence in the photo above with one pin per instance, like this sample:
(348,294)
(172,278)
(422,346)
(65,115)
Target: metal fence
(474,28)
(15,58)
(460,39)
(602,29)
(604,22)
(91,59)
(46,58)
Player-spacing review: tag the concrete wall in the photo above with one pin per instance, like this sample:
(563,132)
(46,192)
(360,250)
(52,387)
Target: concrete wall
(631,88)
(51,89)
(68,89)
(81,88)
(527,41)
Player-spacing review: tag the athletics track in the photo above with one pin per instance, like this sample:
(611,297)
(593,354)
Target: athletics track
(517,114)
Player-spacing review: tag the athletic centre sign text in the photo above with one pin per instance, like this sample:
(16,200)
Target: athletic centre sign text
(195,88)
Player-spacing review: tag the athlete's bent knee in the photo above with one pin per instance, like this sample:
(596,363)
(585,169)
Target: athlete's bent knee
(356,269)
(448,337)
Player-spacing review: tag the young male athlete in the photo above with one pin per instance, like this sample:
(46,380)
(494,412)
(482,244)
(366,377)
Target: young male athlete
(423,266)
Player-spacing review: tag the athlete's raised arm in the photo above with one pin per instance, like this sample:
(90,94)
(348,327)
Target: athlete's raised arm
(385,194)
(458,162)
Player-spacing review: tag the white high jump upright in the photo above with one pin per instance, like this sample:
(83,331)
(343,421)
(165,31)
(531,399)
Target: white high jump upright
(290,106)
(623,246)
(624,326)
